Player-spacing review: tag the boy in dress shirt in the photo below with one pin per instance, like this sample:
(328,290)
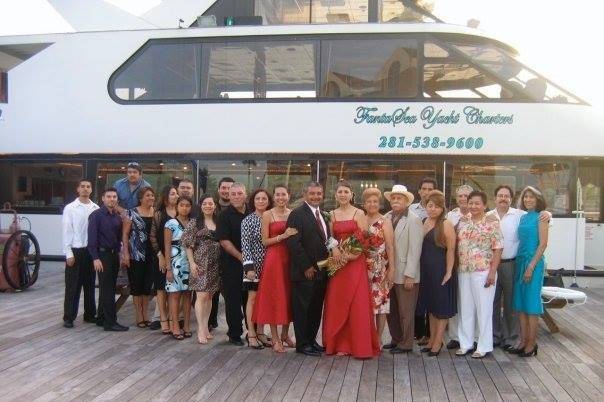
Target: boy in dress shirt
(79,271)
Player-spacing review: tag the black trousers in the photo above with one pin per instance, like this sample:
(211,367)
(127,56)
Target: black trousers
(107,282)
(234,299)
(213,320)
(77,277)
(307,308)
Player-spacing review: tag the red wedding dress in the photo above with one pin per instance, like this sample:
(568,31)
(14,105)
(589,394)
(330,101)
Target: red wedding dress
(348,321)
(272,304)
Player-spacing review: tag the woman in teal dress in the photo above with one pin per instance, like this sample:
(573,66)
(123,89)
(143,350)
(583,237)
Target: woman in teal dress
(177,274)
(528,279)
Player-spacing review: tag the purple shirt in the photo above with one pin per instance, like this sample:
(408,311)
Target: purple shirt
(104,231)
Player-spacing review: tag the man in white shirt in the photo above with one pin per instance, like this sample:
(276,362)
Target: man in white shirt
(79,270)
(426,186)
(461,198)
(506,328)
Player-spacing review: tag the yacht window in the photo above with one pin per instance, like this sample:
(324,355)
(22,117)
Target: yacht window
(369,68)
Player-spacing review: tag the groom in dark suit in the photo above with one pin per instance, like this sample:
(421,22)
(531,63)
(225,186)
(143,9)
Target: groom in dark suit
(306,248)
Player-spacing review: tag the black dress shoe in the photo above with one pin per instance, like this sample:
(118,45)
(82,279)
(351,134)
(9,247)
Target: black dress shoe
(116,328)
(317,347)
(155,325)
(236,341)
(68,324)
(308,351)
(397,350)
(90,320)
(100,323)
(453,344)
(389,346)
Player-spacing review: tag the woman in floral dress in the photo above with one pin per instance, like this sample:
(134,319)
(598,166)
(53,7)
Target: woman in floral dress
(380,261)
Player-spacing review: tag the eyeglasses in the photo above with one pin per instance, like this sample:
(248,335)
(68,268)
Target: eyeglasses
(503,196)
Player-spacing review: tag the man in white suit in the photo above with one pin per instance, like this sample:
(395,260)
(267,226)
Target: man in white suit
(408,239)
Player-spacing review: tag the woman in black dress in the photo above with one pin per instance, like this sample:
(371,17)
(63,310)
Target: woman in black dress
(438,286)
(138,256)
(166,210)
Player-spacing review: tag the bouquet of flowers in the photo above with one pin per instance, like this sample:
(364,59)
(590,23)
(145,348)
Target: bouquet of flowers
(351,247)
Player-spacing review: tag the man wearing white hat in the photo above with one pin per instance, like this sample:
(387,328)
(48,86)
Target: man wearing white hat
(408,239)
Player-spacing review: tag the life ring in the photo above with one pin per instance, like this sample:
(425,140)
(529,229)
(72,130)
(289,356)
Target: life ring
(551,293)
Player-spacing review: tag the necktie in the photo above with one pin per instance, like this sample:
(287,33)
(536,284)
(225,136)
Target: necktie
(318,218)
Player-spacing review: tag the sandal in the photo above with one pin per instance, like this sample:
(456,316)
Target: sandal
(288,342)
(142,324)
(167,331)
(178,337)
(278,347)
(266,341)
(187,334)
(259,345)
(202,341)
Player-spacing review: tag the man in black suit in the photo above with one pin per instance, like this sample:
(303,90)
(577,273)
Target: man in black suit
(306,248)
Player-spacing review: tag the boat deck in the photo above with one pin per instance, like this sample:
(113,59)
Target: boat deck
(41,360)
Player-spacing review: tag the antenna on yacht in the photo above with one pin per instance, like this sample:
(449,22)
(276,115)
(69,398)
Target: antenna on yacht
(412,4)
(180,21)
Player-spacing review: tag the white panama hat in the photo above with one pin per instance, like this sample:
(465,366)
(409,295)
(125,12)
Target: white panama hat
(399,189)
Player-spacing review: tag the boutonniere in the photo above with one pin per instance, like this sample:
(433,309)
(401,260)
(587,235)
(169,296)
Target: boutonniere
(326,217)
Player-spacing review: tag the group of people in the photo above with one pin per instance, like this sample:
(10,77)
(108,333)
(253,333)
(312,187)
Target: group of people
(478,273)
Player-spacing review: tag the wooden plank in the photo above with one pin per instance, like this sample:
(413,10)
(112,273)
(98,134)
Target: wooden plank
(269,377)
(298,386)
(449,376)
(385,378)
(417,374)
(402,378)
(466,377)
(317,382)
(434,378)
(368,381)
(352,379)
(335,379)
(285,379)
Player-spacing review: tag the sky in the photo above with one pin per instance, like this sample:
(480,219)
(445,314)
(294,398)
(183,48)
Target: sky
(554,37)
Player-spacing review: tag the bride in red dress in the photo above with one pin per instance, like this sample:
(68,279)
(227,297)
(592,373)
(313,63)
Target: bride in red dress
(348,322)
(272,304)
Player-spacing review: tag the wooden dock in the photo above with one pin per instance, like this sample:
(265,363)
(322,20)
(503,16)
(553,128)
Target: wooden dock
(40,360)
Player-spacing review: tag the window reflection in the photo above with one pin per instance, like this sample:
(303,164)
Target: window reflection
(161,71)
(275,12)
(554,180)
(591,179)
(158,173)
(388,68)
(450,76)
(278,69)
(39,185)
(373,173)
(396,11)
(519,78)
(256,173)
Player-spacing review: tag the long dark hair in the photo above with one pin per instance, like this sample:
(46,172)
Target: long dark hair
(200,222)
(438,199)
(162,202)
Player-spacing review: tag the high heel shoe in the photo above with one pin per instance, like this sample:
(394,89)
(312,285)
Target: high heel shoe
(529,354)
(516,351)
(425,350)
(433,354)
(257,346)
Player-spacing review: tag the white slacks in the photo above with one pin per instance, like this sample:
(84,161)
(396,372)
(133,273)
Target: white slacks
(475,303)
